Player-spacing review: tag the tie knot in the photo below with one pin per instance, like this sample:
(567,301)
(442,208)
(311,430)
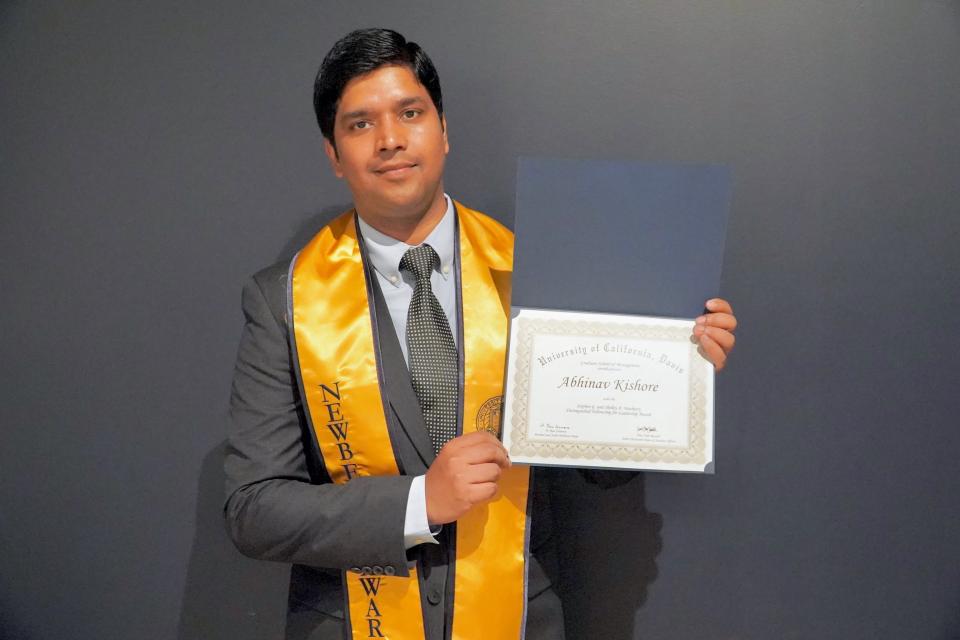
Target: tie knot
(420,261)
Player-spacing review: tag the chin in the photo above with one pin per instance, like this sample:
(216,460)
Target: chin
(408,204)
(389,209)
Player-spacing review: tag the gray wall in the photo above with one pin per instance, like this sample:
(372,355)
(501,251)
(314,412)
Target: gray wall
(152,155)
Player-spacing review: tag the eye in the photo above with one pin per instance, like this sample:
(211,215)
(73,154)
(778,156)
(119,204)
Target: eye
(360,124)
(409,114)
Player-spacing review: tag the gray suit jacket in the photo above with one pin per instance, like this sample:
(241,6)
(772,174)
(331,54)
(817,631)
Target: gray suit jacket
(282,506)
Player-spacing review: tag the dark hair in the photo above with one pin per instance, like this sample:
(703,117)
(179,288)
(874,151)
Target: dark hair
(363,51)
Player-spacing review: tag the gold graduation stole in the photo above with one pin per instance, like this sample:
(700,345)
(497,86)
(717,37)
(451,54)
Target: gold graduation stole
(337,356)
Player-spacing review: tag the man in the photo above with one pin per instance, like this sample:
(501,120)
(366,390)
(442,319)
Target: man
(353,454)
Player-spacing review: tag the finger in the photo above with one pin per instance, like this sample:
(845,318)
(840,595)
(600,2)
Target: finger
(482,492)
(712,352)
(469,440)
(723,320)
(479,436)
(483,472)
(485,452)
(720,305)
(722,337)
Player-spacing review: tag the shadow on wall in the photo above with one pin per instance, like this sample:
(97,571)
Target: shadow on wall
(608,546)
(953,633)
(11,629)
(227,595)
(308,227)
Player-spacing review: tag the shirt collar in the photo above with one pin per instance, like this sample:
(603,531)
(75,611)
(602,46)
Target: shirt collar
(385,252)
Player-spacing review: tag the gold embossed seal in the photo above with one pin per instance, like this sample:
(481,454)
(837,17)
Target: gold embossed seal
(488,416)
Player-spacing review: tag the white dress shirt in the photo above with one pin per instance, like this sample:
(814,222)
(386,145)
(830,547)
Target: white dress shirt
(384,254)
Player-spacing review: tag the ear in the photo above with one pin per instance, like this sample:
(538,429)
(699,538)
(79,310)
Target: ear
(333,157)
(443,127)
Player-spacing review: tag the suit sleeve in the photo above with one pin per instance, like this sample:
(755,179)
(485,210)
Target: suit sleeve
(274,510)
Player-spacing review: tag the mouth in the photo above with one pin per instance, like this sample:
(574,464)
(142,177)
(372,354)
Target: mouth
(395,170)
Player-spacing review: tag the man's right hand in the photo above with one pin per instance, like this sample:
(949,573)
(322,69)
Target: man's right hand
(465,473)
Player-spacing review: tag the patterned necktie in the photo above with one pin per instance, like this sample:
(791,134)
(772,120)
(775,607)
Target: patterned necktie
(432,354)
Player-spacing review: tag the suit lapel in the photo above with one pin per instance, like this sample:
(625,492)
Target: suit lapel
(396,377)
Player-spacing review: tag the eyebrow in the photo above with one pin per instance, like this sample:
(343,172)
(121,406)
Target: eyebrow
(363,113)
(406,102)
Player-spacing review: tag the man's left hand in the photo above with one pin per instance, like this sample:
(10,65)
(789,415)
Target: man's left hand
(714,331)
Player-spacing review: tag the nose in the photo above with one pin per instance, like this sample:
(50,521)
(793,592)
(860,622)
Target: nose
(392,136)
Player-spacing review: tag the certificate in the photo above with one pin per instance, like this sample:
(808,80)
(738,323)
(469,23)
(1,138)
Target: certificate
(608,255)
(606,390)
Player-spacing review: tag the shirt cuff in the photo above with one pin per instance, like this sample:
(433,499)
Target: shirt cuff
(416,527)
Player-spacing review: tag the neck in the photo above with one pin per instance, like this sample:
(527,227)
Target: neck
(412,229)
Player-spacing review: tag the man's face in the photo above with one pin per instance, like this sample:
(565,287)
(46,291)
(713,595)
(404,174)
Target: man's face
(391,144)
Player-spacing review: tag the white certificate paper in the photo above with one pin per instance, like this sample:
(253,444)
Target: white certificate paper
(605,390)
